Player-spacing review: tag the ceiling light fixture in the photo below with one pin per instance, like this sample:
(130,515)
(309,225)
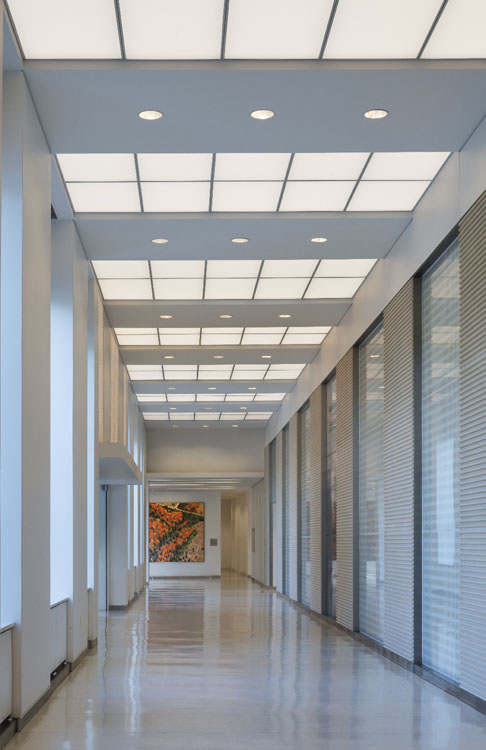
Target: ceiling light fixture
(150,114)
(251,388)
(262,114)
(160,240)
(218,356)
(266,356)
(318,239)
(284,315)
(239,240)
(166,317)
(376,114)
(172,388)
(226,317)
(234,425)
(169,356)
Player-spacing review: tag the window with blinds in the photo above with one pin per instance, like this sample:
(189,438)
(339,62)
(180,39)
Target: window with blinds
(330,548)
(304,508)
(440,465)
(285,510)
(271,509)
(371,499)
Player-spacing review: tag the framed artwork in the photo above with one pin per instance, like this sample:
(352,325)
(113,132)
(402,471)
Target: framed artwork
(176,532)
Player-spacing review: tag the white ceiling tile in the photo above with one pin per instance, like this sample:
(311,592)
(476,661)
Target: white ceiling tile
(177,269)
(220,339)
(207,416)
(153,398)
(172,29)
(252,339)
(156,416)
(186,416)
(232,416)
(138,374)
(122,269)
(247,374)
(175,167)
(214,375)
(251,367)
(332,166)
(229,288)
(188,368)
(387,196)
(178,288)
(97,167)
(288,268)
(309,329)
(180,374)
(125,289)
(405,165)
(251,166)
(380,29)
(459,32)
(177,197)
(270,396)
(175,331)
(342,268)
(276,29)
(134,331)
(281,288)
(246,196)
(210,397)
(290,374)
(316,196)
(146,368)
(270,329)
(303,338)
(243,397)
(233,269)
(135,340)
(190,339)
(181,397)
(104,197)
(333,288)
(221,330)
(259,415)
(66,29)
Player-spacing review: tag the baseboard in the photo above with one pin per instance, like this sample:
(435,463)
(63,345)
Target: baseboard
(263,585)
(78,660)
(93,643)
(22,721)
(7,731)
(118,607)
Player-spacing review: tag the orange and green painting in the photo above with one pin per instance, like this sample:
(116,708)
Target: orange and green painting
(176,532)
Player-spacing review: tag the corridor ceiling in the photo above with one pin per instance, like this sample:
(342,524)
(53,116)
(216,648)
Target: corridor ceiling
(226,247)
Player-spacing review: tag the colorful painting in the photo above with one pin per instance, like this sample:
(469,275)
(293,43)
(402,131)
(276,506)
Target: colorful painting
(176,532)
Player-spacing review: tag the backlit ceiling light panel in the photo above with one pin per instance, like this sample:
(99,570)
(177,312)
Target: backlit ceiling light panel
(388,196)
(175,197)
(229,288)
(460,31)
(246,196)
(404,166)
(97,167)
(288,268)
(327,166)
(343,268)
(66,29)
(316,196)
(251,166)
(222,269)
(175,167)
(281,288)
(176,269)
(104,197)
(276,29)
(380,29)
(112,289)
(178,288)
(121,269)
(333,288)
(172,29)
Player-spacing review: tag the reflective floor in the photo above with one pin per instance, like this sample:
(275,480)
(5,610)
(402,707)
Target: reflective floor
(207,665)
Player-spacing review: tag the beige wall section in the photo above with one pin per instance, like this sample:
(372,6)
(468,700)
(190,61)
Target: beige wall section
(226,536)
(219,450)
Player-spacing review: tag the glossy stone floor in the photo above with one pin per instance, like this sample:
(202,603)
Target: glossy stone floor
(209,665)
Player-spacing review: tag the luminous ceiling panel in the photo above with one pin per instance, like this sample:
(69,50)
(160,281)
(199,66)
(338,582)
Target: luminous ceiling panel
(404,166)
(251,166)
(104,197)
(387,196)
(176,197)
(172,29)
(288,268)
(252,339)
(126,289)
(380,29)
(229,288)
(98,167)
(343,268)
(122,269)
(189,339)
(460,31)
(178,288)
(228,339)
(327,166)
(276,29)
(332,288)
(66,29)
(138,340)
(316,196)
(281,288)
(177,269)
(246,196)
(174,167)
(225,269)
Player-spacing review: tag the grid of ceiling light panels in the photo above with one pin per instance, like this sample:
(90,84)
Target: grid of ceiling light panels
(250,29)
(215,398)
(213,416)
(277,336)
(201,183)
(215,372)
(230,279)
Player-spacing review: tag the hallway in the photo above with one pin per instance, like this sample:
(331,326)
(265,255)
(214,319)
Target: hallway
(210,665)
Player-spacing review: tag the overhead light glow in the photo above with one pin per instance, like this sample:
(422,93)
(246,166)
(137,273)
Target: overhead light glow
(160,240)
(262,114)
(227,317)
(166,317)
(376,114)
(150,114)
(284,315)
(239,240)
(319,239)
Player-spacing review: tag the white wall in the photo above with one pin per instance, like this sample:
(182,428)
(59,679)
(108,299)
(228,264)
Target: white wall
(219,450)
(226,538)
(212,529)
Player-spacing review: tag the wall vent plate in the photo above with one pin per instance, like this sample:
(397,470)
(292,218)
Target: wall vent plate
(213,542)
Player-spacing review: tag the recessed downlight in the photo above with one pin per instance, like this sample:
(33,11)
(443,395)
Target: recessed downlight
(284,315)
(262,114)
(160,240)
(251,388)
(166,317)
(233,425)
(150,114)
(171,388)
(318,239)
(169,356)
(376,114)
(212,388)
(266,356)
(239,240)
(225,317)
(218,356)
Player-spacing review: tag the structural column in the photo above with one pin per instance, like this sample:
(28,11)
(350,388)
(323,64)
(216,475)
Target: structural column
(118,546)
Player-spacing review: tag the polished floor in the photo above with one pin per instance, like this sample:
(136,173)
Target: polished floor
(213,665)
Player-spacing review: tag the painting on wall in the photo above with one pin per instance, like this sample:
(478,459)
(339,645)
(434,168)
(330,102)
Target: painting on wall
(176,532)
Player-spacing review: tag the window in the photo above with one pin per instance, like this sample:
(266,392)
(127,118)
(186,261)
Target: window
(371,505)
(304,507)
(330,501)
(285,511)
(440,465)
(271,509)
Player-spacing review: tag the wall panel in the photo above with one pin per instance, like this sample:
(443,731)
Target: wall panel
(316,469)
(292,499)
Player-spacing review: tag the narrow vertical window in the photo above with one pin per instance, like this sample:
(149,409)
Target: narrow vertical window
(285,510)
(304,507)
(371,501)
(440,465)
(330,500)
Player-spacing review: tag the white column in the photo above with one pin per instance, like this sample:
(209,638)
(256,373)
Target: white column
(25,391)
(118,529)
